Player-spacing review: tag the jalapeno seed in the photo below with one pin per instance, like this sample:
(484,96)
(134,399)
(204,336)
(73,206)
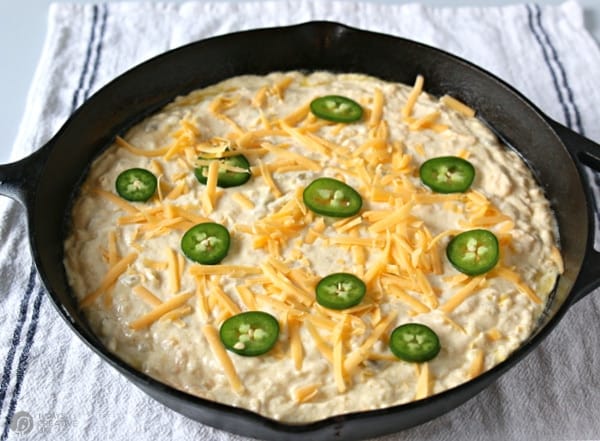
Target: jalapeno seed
(336,108)
(414,342)
(250,333)
(474,252)
(136,184)
(206,243)
(447,174)
(340,291)
(330,197)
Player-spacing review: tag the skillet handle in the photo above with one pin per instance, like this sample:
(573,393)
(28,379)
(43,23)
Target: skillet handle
(18,180)
(586,154)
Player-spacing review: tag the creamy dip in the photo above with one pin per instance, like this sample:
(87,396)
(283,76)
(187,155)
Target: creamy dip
(161,312)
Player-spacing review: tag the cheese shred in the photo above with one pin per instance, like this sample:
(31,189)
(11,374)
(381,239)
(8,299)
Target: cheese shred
(160,310)
(212,336)
(111,277)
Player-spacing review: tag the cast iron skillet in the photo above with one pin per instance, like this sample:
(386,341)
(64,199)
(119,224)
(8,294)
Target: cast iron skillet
(45,182)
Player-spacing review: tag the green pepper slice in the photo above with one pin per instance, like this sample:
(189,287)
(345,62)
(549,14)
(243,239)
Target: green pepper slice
(226,178)
(447,174)
(136,184)
(473,252)
(250,333)
(330,197)
(206,243)
(336,108)
(340,291)
(414,342)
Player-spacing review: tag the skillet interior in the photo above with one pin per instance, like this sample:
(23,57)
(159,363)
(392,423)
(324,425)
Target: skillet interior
(315,46)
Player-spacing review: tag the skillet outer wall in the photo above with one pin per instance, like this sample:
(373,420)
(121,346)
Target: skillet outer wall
(316,46)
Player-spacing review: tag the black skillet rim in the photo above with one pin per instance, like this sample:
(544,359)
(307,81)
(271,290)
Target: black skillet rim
(144,381)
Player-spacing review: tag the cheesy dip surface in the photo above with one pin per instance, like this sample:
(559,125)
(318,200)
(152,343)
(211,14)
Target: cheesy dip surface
(161,312)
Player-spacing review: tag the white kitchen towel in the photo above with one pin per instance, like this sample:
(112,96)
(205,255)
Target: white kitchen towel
(52,387)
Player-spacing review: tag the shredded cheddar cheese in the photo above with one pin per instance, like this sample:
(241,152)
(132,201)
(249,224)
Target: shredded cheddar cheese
(476,367)
(414,95)
(209,195)
(296,350)
(306,393)
(457,105)
(232,270)
(260,97)
(211,335)
(138,151)
(113,252)
(425,121)
(268,179)
(338,356)
(146,295)
(160,310)
(177,313)
(468,290)
(423,383)
(377,109)
(362,352)
(516,280)
(396,244)
(243,201)
(122,204)
(111,277)
(281,86)
(224,300)
(173,264)
(321,345)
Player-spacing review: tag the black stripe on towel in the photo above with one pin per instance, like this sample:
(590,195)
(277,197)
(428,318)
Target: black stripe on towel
(24,358)
(16,338)
(574,122)
(561,71)
(98,53)
(594,177)
(86,61)
(537,34)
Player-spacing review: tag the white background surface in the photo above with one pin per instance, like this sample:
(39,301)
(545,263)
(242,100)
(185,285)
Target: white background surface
(23,29)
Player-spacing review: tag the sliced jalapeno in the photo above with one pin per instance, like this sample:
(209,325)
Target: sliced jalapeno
(136,184)
(336,108)
(206,243)
(473,252)
(233,171)
(330,197)
(340,291)
(414,342)
(447,174)
(250,333)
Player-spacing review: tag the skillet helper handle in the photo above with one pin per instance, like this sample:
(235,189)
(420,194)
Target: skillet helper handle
(18,180)
(586,154)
